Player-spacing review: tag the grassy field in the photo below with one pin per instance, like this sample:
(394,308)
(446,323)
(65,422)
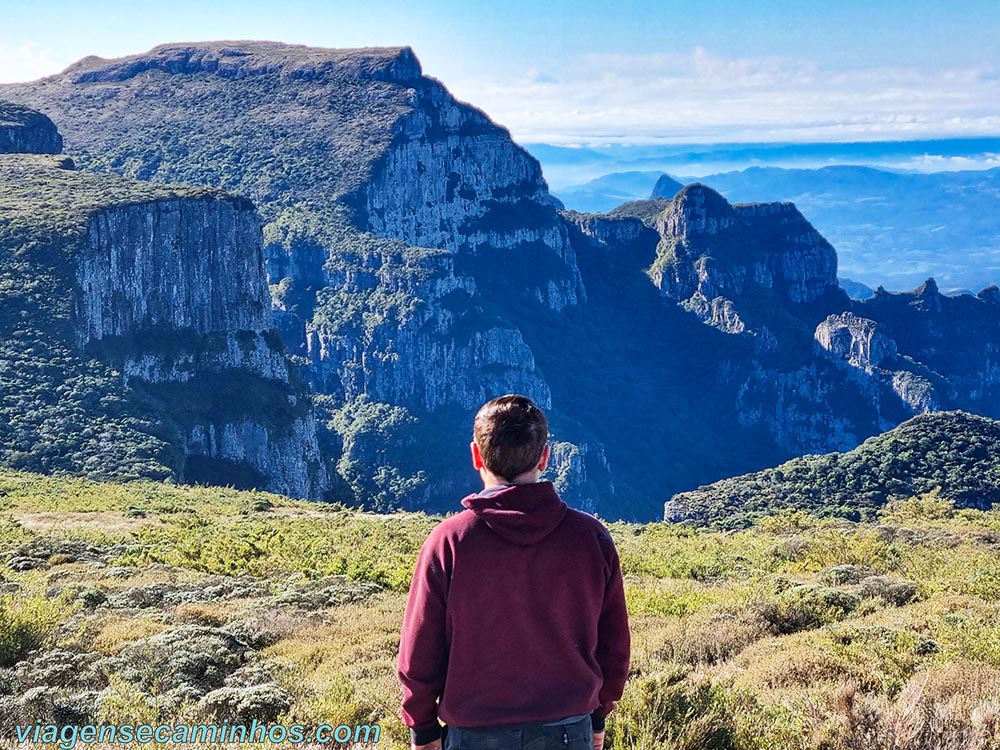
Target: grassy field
(153,603)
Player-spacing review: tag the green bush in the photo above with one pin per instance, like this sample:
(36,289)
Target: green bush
(26,624)
(804,607)
(662,712)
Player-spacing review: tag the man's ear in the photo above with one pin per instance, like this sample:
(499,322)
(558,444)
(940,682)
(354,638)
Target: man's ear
(477,457)
(543,462)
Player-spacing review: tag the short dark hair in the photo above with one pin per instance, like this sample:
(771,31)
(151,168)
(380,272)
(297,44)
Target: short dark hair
(511,432)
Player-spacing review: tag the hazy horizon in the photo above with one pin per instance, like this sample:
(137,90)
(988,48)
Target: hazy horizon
(575,167)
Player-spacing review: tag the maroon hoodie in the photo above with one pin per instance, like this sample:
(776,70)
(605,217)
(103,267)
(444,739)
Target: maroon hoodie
(516,614)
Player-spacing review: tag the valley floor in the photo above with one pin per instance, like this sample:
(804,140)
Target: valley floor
(150,603)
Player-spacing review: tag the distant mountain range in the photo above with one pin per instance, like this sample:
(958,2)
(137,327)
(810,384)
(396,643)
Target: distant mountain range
(610,191)
(890,228)
(567,166)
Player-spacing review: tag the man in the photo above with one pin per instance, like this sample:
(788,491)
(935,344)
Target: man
(515,632)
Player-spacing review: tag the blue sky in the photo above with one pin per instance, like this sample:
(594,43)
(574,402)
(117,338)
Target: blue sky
(599,72)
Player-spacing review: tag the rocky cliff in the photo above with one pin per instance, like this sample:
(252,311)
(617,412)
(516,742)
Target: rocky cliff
(389,208)
(144,339)
(713,254)
(25,131)
(862,344)
(955,339)
(452,179)
(825,371)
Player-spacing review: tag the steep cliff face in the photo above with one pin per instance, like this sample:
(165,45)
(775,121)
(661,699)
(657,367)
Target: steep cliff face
(619,235)
(818,378)
(173,292)
(161,292)
(861,344)
(857,341)
(436,348)
(452,179)
(25,131)
(712,254)
(412,163)
(956,339)
(581,474)
(180,264)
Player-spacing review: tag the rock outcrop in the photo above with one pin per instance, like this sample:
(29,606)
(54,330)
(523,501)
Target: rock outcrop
(452,179)
(581,474)
(454,366)
(176,289)
(666,187)
(712,254)
(25,131)
(821,377)
(856,340)
(161,292)
(955,339)
(614,232)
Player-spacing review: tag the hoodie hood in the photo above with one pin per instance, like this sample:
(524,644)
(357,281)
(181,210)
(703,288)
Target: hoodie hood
(520,513)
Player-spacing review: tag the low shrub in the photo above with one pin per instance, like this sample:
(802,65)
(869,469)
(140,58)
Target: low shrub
(27,623)
(659,711)
(242,705)
(805,606)
(893,592)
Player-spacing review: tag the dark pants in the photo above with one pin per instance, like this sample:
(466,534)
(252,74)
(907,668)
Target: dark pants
(576,736)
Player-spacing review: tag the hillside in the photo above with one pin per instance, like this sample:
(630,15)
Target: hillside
(954,453)
(149,602)
(137,338)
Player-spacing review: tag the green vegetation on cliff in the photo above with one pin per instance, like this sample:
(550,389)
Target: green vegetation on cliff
(148,602)
(267,146)
(60,410)
(25,131)
(47,204)
(302,131)
(338,146)
(955,453)
(65,407)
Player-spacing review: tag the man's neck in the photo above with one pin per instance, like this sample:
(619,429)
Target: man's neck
(492,480)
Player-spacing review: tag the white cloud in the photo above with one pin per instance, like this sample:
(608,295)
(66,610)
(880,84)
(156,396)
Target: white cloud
(27,62)
(936,163)
(698,96)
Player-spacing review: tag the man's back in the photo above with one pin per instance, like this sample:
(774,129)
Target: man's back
(516,615)
(515,630)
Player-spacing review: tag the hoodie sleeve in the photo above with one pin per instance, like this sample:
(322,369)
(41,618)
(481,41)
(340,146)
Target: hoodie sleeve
(613,638)
(423,652)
